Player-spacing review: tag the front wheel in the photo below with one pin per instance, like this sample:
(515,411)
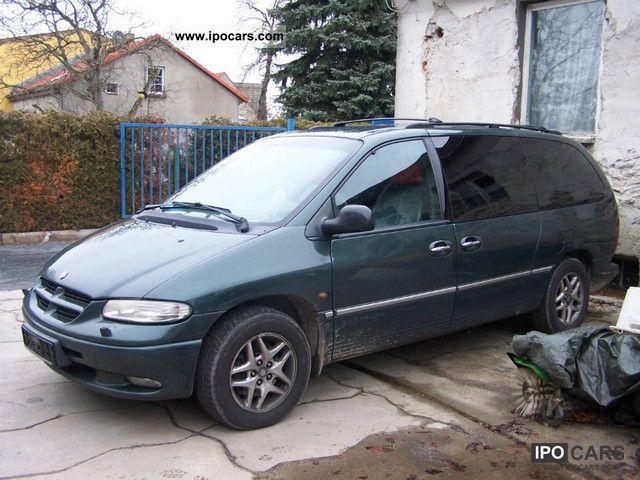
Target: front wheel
(566,299)
(253,368)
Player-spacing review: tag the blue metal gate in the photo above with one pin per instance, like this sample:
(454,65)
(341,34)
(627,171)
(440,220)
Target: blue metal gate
(158,159)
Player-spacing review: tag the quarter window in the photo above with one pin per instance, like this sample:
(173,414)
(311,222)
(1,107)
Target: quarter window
(486,176)
(562,174)
(397,183)
(562,58)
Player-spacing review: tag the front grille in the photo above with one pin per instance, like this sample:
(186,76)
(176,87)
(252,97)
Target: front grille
(48,285)
(42,303)
(61,303)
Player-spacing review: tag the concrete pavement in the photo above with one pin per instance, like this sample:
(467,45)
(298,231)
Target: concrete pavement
(436,409)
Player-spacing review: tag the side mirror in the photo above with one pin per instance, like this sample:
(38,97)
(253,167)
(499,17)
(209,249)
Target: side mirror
(351,219)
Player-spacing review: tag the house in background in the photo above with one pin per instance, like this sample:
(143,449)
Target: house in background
(14,70)
(180,89)
(570,65)
(249,110)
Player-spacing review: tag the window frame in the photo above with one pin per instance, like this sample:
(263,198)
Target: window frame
(436,168)
(150,91)
(583,137)
(106,88)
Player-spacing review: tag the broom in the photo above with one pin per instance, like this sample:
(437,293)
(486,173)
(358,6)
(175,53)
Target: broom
(538,395)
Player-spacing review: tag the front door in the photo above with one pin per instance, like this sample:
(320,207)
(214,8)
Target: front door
(497,226)
(394,284)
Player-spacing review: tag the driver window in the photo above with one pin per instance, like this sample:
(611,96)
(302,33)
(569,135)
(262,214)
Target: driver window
(396,183)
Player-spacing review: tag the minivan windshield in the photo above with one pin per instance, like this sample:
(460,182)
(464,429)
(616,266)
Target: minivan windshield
(268,179)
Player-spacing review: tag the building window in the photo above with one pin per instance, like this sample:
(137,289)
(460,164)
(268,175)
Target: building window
(563,44)
(112,88)
(156,86)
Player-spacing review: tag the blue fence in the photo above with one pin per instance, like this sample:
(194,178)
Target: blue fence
(158,159)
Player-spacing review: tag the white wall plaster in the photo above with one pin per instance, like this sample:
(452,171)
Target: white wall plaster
(410,78)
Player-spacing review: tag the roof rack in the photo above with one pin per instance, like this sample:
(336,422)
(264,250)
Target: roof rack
(384,120)
(431,122)
(537,128)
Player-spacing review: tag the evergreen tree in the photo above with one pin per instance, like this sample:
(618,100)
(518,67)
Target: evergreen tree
(345,58)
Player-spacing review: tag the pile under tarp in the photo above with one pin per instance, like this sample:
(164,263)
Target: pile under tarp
(590,362)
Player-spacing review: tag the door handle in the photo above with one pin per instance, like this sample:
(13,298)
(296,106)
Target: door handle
(440,248)
(470,243)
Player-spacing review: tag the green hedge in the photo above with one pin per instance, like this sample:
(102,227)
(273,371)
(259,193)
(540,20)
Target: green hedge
(61,171)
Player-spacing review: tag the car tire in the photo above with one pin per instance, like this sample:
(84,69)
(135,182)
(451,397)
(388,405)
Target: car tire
(566,299)
(245,364)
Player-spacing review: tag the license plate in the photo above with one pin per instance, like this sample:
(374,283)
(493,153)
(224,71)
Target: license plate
(40,346)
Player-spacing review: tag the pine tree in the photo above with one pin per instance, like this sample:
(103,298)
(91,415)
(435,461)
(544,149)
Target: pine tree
(345,59)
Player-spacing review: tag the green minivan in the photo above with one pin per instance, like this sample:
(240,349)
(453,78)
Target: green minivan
(310,247)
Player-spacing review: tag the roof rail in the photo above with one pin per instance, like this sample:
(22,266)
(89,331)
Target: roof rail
(344,123)
(537,128)
(431,122)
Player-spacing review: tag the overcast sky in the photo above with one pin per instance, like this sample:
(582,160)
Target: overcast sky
(166,18)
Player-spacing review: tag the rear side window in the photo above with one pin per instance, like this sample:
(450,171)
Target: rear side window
(562,173)
(487,176)
(397,183)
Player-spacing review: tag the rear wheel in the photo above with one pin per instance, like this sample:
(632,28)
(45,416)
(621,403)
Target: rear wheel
(565,303)
(253,368)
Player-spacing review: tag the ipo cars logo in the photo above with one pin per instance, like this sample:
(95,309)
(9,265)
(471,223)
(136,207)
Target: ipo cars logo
(563,453)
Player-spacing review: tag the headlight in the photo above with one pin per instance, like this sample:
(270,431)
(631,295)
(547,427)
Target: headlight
(145,311)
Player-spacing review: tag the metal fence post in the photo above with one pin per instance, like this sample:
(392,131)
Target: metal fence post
(291,124)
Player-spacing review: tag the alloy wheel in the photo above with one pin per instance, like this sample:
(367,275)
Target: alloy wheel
(262,372)
(569,298)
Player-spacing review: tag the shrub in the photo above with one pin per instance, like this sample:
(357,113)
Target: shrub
(59,170)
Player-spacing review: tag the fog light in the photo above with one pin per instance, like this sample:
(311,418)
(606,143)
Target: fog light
(144,382)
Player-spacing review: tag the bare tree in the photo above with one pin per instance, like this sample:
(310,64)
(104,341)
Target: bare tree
(266,24)
(71,33)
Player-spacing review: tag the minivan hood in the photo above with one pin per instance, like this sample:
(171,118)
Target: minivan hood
(129,258)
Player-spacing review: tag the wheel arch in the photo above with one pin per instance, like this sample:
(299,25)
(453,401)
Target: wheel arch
(583,256)
(303,313)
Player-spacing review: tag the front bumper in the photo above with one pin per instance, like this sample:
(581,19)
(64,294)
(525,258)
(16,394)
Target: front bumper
(103,364)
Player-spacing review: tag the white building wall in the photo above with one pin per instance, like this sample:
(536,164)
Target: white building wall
(460,60)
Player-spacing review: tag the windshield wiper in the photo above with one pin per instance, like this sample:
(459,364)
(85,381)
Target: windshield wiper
(241,223)
(150,206)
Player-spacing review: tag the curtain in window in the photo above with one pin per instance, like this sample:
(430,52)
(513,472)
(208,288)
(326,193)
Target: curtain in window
(564,63)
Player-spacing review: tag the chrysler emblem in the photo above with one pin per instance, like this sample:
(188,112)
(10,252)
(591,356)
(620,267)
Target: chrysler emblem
(63,274)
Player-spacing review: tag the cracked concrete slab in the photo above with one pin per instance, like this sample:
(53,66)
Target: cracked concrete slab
(433,415)
(324,388)
(38,393)
(195,458)
(69,440)
(314,429)
(188,414)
